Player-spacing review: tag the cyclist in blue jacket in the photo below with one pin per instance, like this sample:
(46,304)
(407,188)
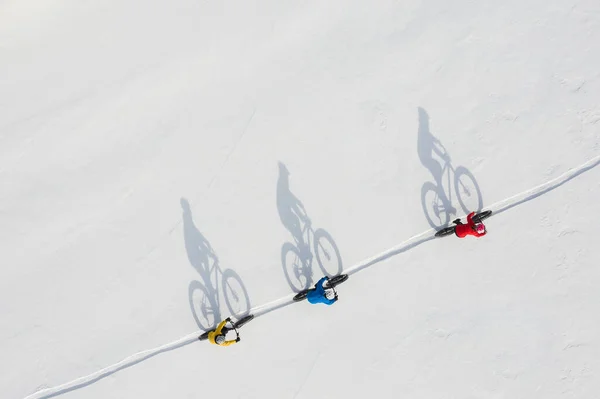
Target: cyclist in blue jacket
(319,294)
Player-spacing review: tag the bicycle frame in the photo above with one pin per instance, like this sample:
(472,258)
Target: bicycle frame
(237,333)
(213,271)
(307,234)
(447,170)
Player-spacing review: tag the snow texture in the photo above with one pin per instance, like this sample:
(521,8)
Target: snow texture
(166,165)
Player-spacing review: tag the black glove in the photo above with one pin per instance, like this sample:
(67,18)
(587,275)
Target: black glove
(238,339)
(228,319)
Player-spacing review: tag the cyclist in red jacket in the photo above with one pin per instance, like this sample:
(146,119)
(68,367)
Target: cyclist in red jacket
(470,229)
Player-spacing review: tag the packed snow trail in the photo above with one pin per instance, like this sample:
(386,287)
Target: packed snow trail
(129,361)
(260,310)
(497,208)
(544,188)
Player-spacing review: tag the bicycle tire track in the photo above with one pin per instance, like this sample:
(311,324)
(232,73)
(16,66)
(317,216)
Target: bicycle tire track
(129,361)
(533,193)
(416,240)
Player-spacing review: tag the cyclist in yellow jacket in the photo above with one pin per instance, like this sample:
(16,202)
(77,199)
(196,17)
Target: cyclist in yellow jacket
(217,336)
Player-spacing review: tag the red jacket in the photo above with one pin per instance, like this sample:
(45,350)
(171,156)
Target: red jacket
(463,230)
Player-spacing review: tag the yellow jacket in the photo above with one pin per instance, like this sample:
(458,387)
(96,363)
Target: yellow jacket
(217,331)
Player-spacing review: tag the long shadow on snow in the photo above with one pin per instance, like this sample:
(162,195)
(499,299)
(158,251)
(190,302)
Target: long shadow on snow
(403,247)
(283,302)
(426,236)
(436,197)
(205,296)
(297,257)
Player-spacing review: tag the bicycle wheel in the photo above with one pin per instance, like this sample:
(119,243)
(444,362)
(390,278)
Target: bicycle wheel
(337,280)
(434,208)
(467,190)
(203,305)
(327,253)
(301,296)
(298,276)
(482,216)
(235,293)
(445,232)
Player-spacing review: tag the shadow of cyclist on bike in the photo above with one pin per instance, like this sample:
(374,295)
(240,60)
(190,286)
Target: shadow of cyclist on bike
(436,197)
(204,296)
(199,250)
(297,259)
(427,146)
(291,211)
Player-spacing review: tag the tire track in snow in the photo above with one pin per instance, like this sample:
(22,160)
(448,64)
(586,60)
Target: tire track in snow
(533,193)
(414,241)
(129,361)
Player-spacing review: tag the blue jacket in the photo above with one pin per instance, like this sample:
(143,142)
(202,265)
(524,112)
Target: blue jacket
(317,295)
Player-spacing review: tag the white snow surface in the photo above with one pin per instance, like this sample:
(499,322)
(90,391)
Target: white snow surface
(152,151)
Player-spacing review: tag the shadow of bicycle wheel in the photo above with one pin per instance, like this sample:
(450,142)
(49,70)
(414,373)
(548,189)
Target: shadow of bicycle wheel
(203,305)
(434,208)
(327,253)
(298,276)
(236,295)
(467,190)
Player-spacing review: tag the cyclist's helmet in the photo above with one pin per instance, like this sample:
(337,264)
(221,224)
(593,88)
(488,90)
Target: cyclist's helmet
(330,294)
(219,339)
